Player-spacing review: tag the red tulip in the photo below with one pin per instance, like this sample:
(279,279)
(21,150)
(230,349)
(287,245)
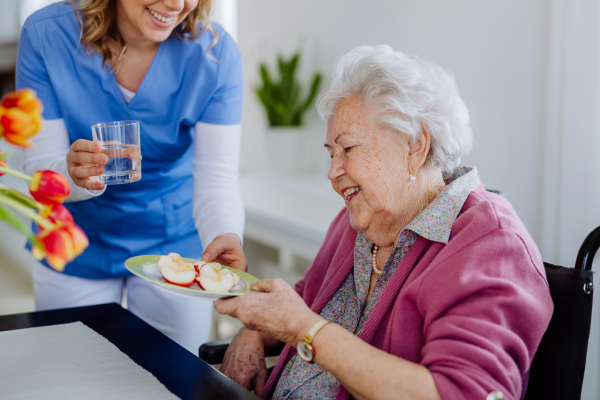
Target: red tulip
(20,117)
(57,213)
(80,240)
(61,245)
(49,187)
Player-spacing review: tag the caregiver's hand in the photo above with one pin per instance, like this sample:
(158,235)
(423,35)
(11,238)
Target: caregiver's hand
(85,161)
(244,361)
(276,310)
(226,249)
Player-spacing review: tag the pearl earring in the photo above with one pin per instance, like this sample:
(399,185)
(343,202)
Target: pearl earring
(413,178)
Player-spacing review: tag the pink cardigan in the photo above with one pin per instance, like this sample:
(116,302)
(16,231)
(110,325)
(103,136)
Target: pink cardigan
(472,311)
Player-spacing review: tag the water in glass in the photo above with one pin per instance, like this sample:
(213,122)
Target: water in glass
(124,164)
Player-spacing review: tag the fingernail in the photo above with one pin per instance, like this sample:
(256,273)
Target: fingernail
(205,257)
(98,186)
(96,147)
(98,170)
(102,159)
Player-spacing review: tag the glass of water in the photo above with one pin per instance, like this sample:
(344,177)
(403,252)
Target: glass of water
(120,141)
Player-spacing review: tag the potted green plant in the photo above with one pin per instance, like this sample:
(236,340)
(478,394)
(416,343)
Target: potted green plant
(285,107)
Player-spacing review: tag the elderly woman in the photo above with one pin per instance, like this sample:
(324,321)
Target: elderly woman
(427,286)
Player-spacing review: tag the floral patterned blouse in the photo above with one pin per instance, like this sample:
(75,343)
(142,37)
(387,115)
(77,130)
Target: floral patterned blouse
(349,308)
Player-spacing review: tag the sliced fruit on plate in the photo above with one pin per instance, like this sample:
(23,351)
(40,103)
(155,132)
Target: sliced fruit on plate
(236,277)
(211,270)
(176,257)
(223,283)
(199,265)
(178,273)
(215,272)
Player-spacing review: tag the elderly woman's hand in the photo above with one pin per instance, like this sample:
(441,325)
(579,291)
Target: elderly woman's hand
(244,361)
(276,310)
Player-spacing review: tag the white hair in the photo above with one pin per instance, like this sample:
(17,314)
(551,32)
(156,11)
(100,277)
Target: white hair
(408,93)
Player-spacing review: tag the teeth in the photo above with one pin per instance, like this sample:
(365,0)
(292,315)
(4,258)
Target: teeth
(351,191)
(159,17)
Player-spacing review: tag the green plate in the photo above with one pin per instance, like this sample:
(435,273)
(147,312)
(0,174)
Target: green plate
(145,267)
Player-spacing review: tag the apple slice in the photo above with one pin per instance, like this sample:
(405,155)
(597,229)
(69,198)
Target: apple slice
(164,261)
(199,265)
(183,278)
(236,278)
(178,277)
(208,270)
(223,283)
(176,257)
(215,265)
(182,274)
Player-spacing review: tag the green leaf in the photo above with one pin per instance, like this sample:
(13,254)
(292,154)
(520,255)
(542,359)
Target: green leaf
(282,97)
(4,156)
(266,77)
(17,223)
(18,196)
(314,88)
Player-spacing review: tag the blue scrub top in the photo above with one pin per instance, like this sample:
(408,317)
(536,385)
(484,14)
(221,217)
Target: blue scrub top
(184,85)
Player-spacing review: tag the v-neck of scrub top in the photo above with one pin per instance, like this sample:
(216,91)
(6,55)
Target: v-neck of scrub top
(147,77)
(128,95)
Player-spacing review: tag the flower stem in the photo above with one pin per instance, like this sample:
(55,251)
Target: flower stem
(28,212)
(16,173)
(33,202)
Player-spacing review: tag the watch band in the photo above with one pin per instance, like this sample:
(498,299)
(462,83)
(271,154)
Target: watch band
(313,331)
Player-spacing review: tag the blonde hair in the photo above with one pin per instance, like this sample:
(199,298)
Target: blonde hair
(98,20)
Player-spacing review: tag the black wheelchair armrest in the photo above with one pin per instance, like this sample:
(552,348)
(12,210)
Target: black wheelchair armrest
(214,352)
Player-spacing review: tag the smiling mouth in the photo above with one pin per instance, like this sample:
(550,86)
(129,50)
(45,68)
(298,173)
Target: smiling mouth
(351,192)
(159,17)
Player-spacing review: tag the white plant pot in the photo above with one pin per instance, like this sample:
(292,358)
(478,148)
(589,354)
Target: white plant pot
(283,150)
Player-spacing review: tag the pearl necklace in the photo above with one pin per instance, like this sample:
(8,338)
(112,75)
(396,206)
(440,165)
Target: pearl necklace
(374,260)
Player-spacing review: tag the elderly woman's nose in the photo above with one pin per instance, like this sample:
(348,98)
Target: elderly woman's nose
(336,170)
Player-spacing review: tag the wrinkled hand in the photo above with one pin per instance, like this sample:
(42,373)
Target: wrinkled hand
(244,361)
(227,250)
(84,161)
(276,310)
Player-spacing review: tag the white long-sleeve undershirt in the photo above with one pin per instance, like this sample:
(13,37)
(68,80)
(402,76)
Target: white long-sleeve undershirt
(217,204)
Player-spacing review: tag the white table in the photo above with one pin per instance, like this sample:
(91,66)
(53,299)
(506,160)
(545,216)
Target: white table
(292,215)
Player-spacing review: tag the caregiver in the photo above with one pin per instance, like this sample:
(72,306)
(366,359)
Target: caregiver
(161,63)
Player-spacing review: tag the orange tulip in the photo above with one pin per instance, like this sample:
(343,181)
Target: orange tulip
(57,213)
(49,187)
(80,240)
(20,117)
(61,245)
(3,164)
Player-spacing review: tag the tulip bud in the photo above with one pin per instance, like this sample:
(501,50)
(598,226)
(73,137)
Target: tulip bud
(58,248)
(49,187)
(57,213)
(80,240)
(61,245)
(20,117)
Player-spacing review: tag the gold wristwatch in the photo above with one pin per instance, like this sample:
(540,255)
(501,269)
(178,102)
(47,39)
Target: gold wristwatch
(305,349)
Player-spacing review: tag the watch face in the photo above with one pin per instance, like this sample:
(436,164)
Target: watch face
(305,351)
